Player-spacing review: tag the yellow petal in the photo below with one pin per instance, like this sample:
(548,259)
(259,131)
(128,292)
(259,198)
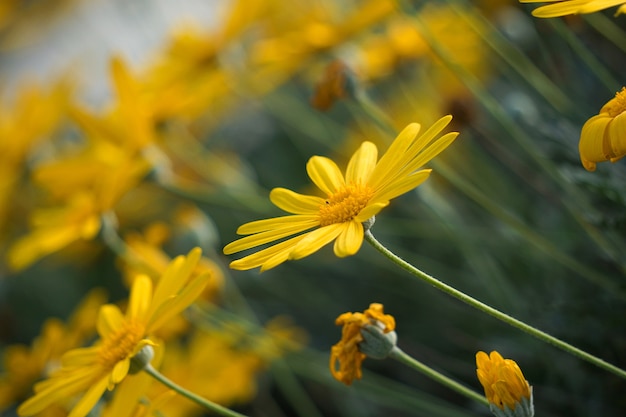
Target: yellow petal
(425,138)
(295,203)
(429,153)
(370,210)
(119,372)
(395,157)
(175,277)
(325,174)
(315,240)
(482,360)
(349,241)
(167,284)
(55,390)
(401,186)
(80,356)
(177,304)
(122,82)
(495,358)
(91,397)
(49,239)
(64,377)
(362,164)
(110,319)
(276,260)
(592,146)
(140,297)
(559,9)
(275,223)
(616,134)
(594,6)
(259,258)
(269,236)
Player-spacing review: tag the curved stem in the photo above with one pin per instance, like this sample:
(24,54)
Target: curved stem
(402,357)
(369,237)
(216,408)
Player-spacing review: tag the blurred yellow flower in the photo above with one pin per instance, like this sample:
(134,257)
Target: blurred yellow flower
(603,137)
(504,384)
(149,259)
(88,184)
(24,365)
(221,364)
(90,371)
(25,122)
(297,35)
(350,200)
(54,229)
(566,7)
(346,352)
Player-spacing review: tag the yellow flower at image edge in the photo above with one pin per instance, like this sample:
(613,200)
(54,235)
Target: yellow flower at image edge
(566,7)
(506,389)
(94,369)
(346,352)
(367,187)
(603,137)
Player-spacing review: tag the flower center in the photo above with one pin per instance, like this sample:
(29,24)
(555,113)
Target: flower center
(345,204)
(121,344)
(618,104)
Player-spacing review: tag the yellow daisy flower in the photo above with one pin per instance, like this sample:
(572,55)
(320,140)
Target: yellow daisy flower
(92,370)
(350,200)
(602,138)
(504,384)
(24,365)
(567,7)
(346,352)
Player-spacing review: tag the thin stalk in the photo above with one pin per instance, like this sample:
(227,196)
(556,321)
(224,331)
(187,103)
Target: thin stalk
(113,241)
(402,357)
(536,239)
(521,64)
(596,67)
(541,335)
(211,406)
(608,29)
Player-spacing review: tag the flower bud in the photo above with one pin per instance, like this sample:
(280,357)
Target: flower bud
(376,343)
(142,359)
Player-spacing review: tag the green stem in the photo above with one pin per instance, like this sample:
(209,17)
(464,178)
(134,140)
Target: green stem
(369,237)
(402,357)
(587,57)
(216,408)
(375,113)
(608,29)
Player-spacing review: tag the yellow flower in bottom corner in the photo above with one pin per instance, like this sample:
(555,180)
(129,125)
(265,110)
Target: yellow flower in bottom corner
(603,137)
(89,372)
(506,389)
(346,352)
(367,187)
(567,7)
